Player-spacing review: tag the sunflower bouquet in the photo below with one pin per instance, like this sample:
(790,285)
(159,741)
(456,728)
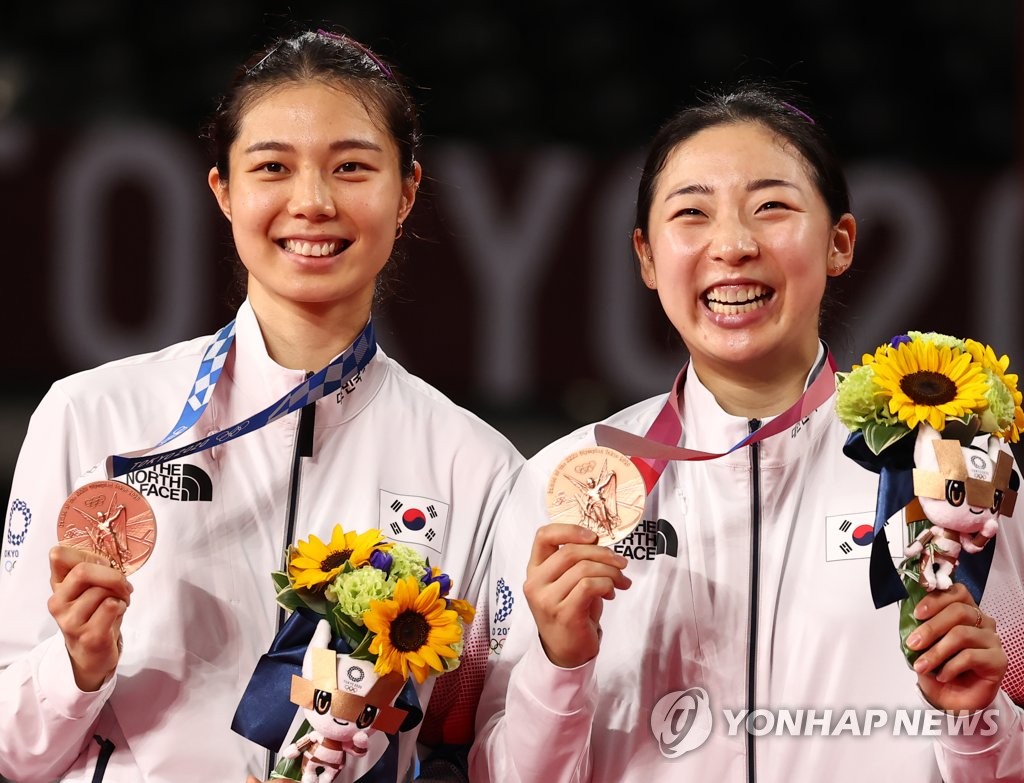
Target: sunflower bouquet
(386,606)
(928,377)
(947,391)
(384,599)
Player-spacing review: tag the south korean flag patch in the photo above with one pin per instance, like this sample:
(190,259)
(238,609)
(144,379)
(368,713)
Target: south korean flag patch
(849,536)
(414,520)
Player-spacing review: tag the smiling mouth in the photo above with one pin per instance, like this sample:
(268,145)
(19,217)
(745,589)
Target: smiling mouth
(737,299)
(301,247)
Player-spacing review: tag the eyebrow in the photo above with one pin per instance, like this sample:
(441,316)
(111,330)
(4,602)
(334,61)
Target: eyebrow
(341,145)
(752,186)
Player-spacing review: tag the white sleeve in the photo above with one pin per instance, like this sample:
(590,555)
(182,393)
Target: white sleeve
(45,720)
(534,719)
(994,752)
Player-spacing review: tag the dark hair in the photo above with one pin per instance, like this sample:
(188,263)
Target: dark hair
(769,105)
(317,57)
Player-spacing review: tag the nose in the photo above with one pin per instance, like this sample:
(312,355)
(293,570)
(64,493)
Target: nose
(311,197)
(733,242)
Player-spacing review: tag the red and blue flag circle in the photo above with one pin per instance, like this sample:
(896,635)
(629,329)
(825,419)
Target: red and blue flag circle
(414,519)
(863,535)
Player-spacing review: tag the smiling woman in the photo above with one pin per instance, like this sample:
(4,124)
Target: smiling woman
(317,177)
(315,200)
(748,605)
(294,416)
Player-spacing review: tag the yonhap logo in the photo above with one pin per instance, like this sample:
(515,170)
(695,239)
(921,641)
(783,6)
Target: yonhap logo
(681,721)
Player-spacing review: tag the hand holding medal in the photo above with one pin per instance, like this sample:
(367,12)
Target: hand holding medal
(105,531)
(595,497)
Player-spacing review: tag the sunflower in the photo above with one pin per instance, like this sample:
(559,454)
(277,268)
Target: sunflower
(927,383)
(313,564)
(413,630)
(986,357)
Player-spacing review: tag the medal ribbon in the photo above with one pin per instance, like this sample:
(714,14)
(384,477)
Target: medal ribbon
(331,378)
(652,452)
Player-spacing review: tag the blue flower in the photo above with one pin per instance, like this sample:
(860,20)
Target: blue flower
(444,581)
(382,561)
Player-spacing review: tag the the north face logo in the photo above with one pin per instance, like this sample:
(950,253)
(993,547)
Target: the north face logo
(173,482)
(649,539)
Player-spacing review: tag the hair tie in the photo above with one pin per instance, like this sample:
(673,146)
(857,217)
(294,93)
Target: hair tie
(795,110)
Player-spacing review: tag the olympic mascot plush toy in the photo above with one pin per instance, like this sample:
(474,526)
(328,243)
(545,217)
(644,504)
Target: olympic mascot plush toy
(962,490)
(945,392)
(344,701)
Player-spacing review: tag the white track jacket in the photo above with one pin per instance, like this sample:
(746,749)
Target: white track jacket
(203,609)
(749,591)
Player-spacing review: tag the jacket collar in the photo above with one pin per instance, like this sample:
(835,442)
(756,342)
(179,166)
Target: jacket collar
(707,427)
(258,380)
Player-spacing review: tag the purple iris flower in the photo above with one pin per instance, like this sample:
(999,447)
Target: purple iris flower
(382,561)
(898,339)
(443,580)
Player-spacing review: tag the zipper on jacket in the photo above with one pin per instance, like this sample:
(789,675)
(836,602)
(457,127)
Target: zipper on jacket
(755,575)
(106,751)
(303,448)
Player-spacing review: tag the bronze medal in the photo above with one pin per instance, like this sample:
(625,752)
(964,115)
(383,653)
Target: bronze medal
(600,489)
(111,519)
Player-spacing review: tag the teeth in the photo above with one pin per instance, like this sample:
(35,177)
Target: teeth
(733,309)
(314,249)
(733,300)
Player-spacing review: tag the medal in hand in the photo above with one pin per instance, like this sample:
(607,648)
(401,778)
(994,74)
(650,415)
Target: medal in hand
(599,489)
(110,519)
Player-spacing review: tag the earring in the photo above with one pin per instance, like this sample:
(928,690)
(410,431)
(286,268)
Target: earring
(649,277)
(399,231)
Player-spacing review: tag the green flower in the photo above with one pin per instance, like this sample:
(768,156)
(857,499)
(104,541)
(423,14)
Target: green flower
(939,340)
(857,399)
(405,562)
(354,590)
(998,416)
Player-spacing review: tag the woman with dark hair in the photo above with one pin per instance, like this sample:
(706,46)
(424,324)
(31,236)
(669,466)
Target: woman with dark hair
(742,643)
(138,678)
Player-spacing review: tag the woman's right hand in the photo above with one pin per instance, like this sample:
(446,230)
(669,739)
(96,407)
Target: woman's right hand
(567,582)
(88,602)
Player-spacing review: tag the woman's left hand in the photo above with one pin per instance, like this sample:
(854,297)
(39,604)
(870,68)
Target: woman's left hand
(962,662)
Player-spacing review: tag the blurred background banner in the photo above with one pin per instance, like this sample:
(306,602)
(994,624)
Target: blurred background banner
(535,117)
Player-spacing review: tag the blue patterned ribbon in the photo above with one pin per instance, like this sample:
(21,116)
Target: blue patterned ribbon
(331,378)
(265,711)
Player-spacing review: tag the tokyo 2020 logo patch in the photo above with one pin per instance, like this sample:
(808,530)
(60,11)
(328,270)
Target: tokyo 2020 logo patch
(681,721)
(18,520)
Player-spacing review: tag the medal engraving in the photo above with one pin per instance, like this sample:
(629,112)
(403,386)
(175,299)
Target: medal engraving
(599,489)
(112,520)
